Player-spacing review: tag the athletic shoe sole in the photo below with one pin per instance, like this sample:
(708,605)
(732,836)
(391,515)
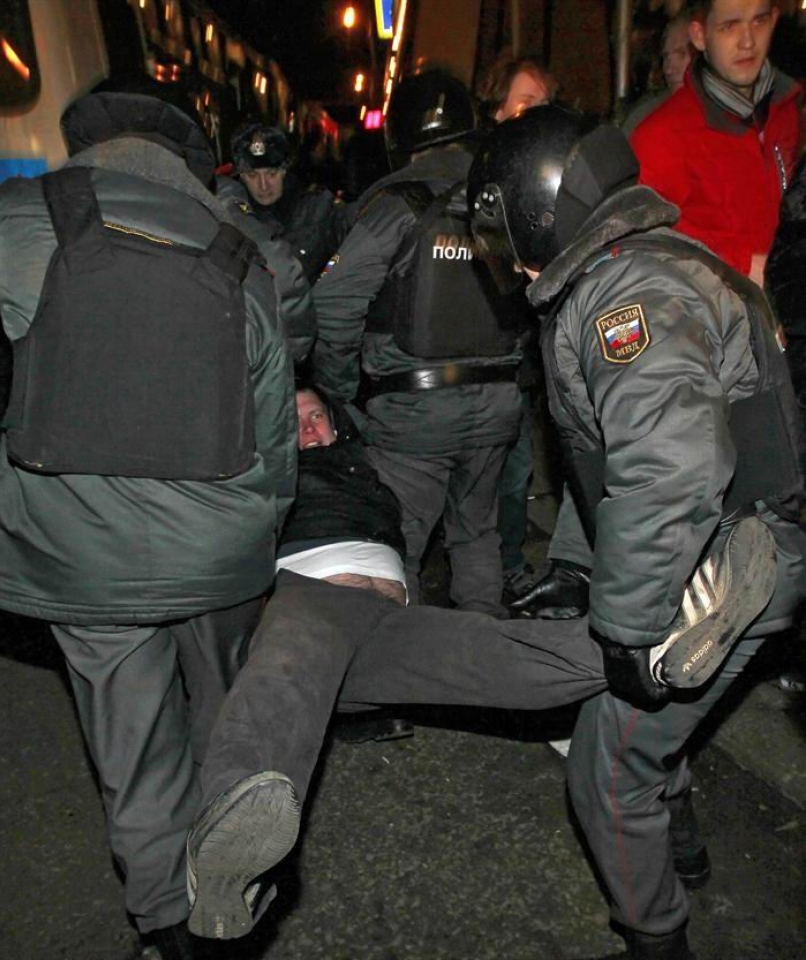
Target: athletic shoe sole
(242,834)
(695,655)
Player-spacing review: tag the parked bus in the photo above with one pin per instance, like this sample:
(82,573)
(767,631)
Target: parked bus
(52,51)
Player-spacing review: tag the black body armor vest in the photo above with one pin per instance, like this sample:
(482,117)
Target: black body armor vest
(135,363)
(439,300)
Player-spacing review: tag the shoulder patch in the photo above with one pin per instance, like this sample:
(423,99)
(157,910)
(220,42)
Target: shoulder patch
(623,333)
(330,265)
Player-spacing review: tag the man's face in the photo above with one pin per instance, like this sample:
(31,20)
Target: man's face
(526,90)
(735,38)
(676,55)
(315,425)
(265,186)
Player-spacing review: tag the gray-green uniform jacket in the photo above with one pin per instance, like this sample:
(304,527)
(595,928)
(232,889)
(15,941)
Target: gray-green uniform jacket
(429,422)
(651,350)
(293,290)
(105,550)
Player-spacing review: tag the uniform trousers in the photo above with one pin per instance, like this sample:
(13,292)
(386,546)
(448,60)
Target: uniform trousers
(569,540)
(625,762)
(147,698)
(513,491)
(462,488)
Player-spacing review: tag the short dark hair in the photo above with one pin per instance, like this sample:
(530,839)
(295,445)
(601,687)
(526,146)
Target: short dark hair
(305,386)
(340,419)
(699,9)
(494,88)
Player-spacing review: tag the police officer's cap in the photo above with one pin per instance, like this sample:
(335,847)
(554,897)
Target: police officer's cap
(260,147)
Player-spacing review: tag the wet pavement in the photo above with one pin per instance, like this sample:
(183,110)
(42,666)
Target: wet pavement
(456,844)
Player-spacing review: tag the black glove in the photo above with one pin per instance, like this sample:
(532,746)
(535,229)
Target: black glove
(628,675)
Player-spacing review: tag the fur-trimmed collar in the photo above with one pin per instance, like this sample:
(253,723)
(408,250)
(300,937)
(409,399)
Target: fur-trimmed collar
(142,158)
(632,210)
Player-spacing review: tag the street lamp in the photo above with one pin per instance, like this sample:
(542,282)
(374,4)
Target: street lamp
(349,20)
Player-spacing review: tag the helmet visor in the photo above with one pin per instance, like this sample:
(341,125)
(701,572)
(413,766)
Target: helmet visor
(493,237)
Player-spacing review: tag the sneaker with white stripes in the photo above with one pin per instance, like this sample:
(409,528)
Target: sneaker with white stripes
(724,596)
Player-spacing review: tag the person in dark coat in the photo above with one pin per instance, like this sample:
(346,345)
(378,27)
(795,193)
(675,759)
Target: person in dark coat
(786,287)
(785,279)
(152,582)
(307,217)
(442,402)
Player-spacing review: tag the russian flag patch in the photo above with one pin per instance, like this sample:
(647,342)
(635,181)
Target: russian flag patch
(623,334)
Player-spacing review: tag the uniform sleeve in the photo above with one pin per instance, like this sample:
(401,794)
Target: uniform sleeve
(297,311)
(27,243)
(272,374)
(293,290)
(649,363)
(343,293)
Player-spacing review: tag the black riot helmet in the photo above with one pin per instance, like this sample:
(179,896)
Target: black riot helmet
(427,109)
(534,182)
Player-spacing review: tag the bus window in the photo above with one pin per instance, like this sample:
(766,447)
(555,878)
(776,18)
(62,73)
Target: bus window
(19,73)
(122,37)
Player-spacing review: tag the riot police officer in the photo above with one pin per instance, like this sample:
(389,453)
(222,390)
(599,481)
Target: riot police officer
(147,457)
(405,305)
(677,417)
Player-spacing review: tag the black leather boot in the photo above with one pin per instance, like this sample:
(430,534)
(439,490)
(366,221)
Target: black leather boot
(369,725)
(645,946)
(177,943)
(561,595)
(691,861)
(667,946)
(517,584)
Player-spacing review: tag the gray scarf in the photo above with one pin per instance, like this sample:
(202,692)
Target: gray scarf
(728,96)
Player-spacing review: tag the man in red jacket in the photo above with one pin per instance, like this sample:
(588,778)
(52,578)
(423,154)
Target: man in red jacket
(723,147)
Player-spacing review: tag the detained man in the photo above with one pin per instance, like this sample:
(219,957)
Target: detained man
(335,634)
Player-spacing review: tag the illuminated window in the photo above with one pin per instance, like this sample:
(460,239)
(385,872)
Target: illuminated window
(19,71)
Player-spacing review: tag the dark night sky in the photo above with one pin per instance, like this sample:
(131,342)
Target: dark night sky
(305,37)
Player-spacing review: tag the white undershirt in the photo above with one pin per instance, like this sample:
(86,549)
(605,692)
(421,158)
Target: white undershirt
(351,556)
